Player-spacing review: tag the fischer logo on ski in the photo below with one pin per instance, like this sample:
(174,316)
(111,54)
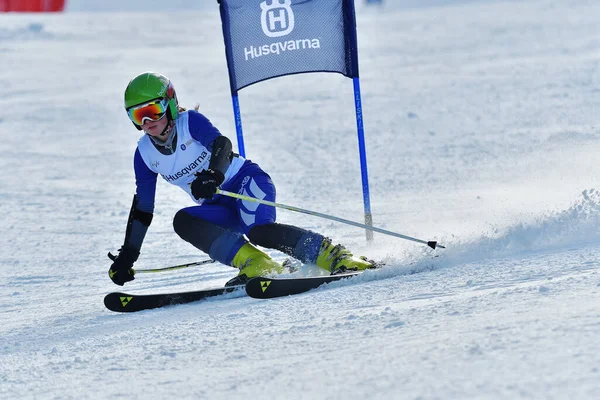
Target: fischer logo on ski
(265,285)
(126,300)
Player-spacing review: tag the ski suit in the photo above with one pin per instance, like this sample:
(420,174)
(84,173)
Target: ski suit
(216,226)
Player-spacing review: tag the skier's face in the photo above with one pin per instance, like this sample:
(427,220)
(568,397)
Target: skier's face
(156,128)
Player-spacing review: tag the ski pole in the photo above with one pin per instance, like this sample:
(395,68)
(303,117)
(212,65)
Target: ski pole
(431,244)
(192,264)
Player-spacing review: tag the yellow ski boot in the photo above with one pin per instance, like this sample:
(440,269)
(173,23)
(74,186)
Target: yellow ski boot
(337,259)
(252,262)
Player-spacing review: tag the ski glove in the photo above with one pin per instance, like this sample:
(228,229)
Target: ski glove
(206,183)
(121,270)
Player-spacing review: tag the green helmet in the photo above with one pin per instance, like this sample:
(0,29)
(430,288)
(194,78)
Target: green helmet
(150,86)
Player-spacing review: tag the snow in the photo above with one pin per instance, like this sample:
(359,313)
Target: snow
(481,122)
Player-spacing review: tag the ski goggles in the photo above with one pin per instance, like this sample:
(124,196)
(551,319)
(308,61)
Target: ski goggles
(153,110)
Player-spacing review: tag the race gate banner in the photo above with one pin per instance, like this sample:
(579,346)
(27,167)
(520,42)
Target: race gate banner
(265,39)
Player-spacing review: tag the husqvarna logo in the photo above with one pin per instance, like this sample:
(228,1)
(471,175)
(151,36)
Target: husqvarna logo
(277,18)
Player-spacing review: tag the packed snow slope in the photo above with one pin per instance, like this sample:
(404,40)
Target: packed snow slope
(482,132)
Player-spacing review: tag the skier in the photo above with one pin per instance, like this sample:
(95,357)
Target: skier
(189,152)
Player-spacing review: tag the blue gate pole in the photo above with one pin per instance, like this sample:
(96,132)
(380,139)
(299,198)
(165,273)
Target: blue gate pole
(237,115)
(363,157)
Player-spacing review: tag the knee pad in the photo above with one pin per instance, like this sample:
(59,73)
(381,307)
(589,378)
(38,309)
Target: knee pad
(198,232)
(180,222)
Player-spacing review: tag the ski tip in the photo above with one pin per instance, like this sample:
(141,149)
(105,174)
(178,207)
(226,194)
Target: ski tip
(435,245)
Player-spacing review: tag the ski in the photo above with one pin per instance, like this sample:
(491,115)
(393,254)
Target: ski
(267,288)
(124,302)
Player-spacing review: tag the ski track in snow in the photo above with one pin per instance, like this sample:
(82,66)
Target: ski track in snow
(482,132)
